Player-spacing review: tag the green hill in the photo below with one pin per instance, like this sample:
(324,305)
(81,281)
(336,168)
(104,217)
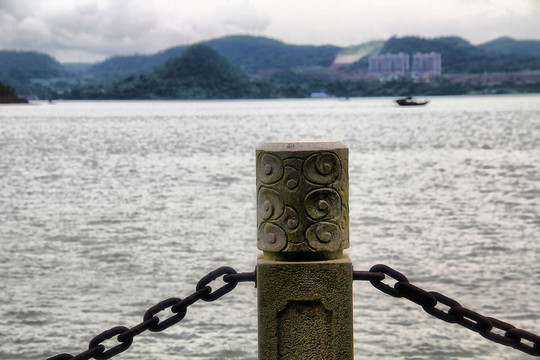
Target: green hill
(7,91)
(300,69)
(20,66)
(460,56)
(253,54)
(508,45)
(120,66)
(198,73)
(20,69)
(17,68)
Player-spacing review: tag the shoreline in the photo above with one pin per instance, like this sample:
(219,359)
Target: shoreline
(13,100)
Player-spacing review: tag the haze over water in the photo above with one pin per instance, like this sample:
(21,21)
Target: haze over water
(107,208)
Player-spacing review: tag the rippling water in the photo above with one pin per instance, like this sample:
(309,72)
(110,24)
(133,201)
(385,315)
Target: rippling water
(109,207)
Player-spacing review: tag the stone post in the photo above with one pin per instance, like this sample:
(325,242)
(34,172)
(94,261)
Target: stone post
(304,281)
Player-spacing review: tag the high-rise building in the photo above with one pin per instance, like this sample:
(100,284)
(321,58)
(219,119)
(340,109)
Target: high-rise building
(426,64)
(389,66)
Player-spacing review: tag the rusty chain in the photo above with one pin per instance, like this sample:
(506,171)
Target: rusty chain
(455,314)
(152,323)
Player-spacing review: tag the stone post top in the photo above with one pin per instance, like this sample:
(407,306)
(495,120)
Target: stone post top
(302,200)
(301,146)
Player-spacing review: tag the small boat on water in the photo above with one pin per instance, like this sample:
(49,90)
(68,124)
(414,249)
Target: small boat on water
(409,101)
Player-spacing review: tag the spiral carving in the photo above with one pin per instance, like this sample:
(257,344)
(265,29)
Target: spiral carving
(302,200)
(269,169)
(291,178)
(272,237)
(322,168)
(291,218)
(323,204)
(269,204)
(324,236)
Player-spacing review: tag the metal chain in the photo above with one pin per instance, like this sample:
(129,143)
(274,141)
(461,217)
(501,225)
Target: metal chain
(151,322)
(456,313)
(402,288)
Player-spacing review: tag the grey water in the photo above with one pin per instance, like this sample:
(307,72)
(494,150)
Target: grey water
(107,208)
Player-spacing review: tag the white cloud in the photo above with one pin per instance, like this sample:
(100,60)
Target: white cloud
(94,29)
(242,16)
(352,22)
(34,31)
(8,25)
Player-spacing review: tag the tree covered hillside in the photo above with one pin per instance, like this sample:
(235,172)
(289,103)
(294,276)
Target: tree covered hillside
(23,70)
(199,73)
(253,54)
(508,45)
(460,56)
(20,66)
(281,69)
(7,91)
(9,96)
(120,66)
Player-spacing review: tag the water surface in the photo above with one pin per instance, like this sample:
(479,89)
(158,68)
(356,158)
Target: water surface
(107,208)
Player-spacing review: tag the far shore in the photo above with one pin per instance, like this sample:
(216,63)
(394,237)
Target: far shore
(13,100)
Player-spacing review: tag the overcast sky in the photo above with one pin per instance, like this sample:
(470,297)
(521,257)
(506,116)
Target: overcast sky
(91,30)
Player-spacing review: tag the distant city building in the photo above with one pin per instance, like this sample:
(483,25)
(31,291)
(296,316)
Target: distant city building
(426,64)
(390,66)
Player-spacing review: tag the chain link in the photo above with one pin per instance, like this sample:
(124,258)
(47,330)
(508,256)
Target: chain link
(455,314)
(152,323)
(428,300)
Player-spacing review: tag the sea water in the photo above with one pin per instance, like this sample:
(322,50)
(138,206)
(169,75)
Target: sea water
(107,208)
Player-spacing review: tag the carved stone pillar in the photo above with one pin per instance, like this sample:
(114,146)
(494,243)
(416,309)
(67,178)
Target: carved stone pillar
(304,280)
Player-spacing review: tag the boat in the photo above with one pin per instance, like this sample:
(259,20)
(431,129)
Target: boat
(410,101)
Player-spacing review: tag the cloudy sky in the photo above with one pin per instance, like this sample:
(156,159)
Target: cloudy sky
(91,30)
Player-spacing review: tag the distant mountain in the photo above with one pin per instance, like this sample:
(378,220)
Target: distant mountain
(21,66)
(198,73)
(253,54)
(32,73)
(26,71)
(510,46)
(201,72)
(120,66)
(460,56)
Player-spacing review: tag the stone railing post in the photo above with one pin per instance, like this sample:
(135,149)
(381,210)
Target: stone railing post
(304,280)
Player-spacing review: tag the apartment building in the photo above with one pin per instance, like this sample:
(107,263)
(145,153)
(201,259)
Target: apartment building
(429,64)
(390,66)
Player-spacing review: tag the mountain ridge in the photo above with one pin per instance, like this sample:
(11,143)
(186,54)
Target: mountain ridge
(254,53)
(260,57)
(200,72)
